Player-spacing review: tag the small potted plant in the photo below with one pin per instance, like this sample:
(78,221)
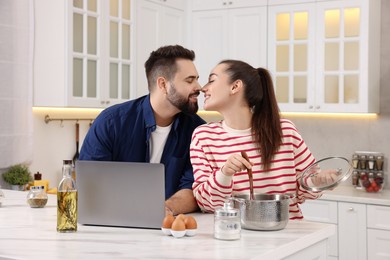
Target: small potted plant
(17,176)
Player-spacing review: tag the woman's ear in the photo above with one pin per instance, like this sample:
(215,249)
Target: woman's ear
(236,87)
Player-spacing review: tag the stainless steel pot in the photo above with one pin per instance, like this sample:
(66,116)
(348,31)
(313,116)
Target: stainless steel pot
(265,212)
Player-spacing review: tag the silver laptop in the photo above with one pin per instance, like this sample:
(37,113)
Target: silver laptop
(120,194)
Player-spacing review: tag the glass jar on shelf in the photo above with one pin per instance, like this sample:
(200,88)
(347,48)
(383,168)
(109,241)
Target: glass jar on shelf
(37,197)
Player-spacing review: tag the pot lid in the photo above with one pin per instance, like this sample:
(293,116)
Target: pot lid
(326,174)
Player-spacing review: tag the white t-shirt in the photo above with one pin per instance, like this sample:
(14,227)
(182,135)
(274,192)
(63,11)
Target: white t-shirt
(157,142)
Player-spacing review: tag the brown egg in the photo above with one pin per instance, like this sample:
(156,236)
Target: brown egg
(190,222)
(181,216)
(178,225)
(167,221)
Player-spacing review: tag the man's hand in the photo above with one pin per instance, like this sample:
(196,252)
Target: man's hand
(181,202)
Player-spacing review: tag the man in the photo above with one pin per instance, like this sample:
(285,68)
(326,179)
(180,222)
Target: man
(156,127)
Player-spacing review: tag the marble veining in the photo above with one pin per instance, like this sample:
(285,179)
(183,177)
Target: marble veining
(30,233)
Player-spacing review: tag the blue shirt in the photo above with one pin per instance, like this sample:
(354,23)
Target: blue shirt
(122,132)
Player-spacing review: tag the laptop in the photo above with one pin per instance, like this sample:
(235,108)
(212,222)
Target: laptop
(120,194)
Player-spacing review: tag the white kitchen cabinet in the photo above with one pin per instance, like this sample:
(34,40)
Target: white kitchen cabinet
(324,55)
(325,212)
(228,33)
(363,230)
(352,231)
(198,5)
(83,56)
(157,24)
(378,232)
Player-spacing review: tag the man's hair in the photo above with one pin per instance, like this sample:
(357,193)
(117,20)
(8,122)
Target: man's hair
(162,63)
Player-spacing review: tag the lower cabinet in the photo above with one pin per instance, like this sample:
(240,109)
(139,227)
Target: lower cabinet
(363,231)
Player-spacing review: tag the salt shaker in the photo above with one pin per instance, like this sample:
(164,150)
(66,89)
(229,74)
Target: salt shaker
(227,223)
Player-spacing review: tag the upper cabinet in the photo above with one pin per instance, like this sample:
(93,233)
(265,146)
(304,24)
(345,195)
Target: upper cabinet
(228,30)
(324,55)
(83,53)
(158,23)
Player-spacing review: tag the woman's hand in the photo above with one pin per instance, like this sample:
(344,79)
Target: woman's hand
(324,177)
(235,163)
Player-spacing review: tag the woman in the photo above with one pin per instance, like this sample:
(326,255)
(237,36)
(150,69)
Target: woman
(245,97)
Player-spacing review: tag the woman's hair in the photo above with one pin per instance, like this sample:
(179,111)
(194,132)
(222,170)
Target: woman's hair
(260,96)
(162,62)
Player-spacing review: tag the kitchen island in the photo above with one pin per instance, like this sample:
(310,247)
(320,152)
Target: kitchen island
(30,233)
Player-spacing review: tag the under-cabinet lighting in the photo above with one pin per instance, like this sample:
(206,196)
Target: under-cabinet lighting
(332,115)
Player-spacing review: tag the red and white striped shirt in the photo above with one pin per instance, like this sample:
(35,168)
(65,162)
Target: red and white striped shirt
(213,143)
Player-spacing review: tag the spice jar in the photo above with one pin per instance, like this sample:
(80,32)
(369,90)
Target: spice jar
(379,163)
(371,162)
(355,161)
(363,162)
(355,178)
(37,197)
(227,222)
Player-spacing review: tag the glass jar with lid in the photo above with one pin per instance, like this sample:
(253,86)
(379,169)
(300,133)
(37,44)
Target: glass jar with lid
(227,222)
(37,197)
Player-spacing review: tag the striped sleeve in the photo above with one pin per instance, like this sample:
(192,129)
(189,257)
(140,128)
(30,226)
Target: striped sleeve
(210,186)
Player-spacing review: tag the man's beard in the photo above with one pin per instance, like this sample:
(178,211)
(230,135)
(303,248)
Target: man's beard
(182,103)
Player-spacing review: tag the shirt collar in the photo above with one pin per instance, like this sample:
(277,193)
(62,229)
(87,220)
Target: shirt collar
(150,121)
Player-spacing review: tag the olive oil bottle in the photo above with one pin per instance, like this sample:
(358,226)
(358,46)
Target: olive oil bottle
(67,200)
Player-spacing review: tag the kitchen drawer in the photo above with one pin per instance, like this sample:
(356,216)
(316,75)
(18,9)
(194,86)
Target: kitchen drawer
(378,244)
(378,217)
(320,211)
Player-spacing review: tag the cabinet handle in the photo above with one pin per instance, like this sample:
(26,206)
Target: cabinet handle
(310,107)
(318,107)
(230,2)
(351,209)
(224,3)
(107,102)
(102,102)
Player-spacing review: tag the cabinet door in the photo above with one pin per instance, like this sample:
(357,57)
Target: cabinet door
(197,5)
(326,212)
(177,4)
(347,74)
(247,37)
(378,217)
(209,41)
(291,55)
(352,231)
(378,244)
(157,25)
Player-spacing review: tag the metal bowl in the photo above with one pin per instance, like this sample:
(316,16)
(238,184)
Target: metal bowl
(265,212)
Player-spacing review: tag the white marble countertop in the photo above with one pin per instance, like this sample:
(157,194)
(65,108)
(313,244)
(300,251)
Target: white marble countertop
(351,194)
(30,233)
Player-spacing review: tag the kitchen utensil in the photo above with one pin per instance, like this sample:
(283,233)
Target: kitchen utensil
(243,154)
(326,174)
(77,154)
(265,212)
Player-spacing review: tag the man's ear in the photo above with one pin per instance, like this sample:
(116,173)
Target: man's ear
(236,87)
(162,84)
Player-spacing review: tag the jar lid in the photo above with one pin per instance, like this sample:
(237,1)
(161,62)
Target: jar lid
(226,210)
(326,174)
